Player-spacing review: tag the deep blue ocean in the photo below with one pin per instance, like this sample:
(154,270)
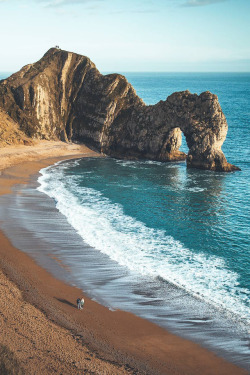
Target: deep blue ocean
(168,243)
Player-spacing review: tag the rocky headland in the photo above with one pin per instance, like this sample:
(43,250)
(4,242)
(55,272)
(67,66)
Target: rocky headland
(64,97)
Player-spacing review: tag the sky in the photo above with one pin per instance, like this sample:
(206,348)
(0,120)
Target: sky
(131,35)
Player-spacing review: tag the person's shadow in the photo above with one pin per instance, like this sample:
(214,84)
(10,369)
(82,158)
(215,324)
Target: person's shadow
(66,302)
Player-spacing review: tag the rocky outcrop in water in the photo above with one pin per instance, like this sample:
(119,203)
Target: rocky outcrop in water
(63,96)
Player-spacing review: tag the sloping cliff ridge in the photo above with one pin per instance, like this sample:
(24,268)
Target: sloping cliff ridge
(63,96)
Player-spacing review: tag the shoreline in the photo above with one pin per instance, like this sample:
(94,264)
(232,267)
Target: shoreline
(120,337)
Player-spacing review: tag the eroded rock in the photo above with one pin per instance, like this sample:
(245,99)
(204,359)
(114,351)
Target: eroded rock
(10,134)
(63,96)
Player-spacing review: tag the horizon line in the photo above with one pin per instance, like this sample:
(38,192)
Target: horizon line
(152,71)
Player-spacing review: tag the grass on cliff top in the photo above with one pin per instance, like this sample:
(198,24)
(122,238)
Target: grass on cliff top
(8,363)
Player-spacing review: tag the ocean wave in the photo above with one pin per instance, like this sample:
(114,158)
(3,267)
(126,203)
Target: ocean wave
(144,250)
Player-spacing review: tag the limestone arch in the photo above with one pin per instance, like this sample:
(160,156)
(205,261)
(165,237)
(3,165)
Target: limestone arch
(201,120)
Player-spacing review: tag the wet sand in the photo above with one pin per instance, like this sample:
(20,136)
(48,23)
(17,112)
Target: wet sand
(40,322)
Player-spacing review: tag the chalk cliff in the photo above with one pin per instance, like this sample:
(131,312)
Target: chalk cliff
(63,96)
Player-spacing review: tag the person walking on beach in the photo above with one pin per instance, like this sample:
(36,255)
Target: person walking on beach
(78,301)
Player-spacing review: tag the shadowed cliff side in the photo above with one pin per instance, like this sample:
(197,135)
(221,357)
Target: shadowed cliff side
(10,134)
(63,96)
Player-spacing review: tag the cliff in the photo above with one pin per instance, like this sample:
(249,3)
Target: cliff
(63,96)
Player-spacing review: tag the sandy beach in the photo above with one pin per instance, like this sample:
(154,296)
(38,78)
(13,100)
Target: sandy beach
(39,320)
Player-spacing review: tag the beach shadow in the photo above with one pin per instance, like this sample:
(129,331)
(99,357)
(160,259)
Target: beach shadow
(66,302)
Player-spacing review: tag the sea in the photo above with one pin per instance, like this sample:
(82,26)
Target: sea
(167,243)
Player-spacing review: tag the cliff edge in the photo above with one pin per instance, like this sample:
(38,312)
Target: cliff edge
(63,96)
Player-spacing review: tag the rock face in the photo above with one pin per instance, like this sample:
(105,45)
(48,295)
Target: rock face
(63,96)
(10,134)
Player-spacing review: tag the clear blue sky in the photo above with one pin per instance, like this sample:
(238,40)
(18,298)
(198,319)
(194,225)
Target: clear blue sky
(131,35)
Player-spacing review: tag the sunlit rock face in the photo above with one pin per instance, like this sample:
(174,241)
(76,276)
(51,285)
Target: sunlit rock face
(63,96)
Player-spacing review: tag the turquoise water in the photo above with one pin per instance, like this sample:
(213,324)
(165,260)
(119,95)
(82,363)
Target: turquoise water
(165,242)
(226,199)
(186,227)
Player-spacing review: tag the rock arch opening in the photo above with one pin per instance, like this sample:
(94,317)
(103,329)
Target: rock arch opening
(184,147)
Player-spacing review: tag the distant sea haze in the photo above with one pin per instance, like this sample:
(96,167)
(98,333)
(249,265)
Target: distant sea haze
(4,75)
(168,243)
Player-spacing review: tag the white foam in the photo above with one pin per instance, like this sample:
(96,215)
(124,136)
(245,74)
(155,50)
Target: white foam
(104,226)
(196,189)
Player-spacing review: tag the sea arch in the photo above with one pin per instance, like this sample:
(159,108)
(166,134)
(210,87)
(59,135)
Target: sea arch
(154,132)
